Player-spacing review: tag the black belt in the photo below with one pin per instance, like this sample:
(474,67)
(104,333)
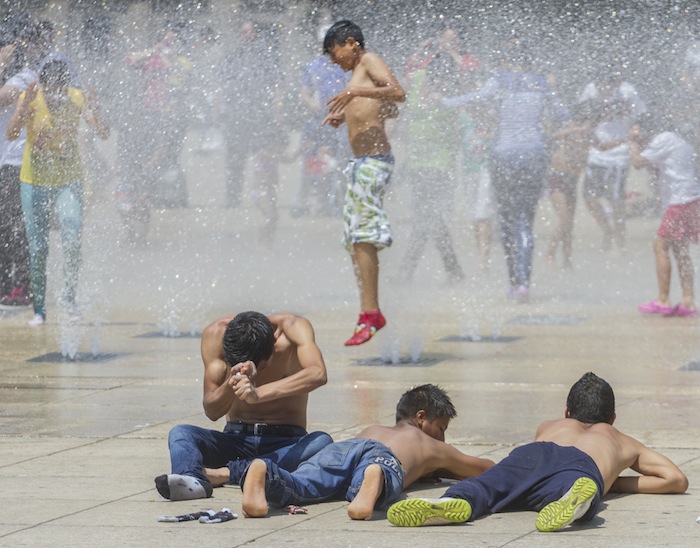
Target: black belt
(262,429)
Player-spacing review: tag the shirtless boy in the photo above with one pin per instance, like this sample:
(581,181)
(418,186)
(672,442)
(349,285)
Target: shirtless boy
(564,474)
(372,469)
(258,372)
(363,106)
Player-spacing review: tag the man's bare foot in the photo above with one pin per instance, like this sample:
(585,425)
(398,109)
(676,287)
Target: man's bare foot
(218,476)
(372,485)
(254,500)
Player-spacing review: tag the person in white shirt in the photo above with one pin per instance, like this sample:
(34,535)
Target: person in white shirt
(674,159)
(619,106)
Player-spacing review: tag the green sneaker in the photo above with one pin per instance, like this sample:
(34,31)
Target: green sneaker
(573,505)
(419,512)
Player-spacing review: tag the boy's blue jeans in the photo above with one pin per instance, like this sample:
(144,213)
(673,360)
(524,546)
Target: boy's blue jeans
(192,448)
(334,473)
(38,204)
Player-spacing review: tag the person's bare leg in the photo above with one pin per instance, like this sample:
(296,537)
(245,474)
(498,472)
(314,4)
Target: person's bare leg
(556,239)
(619,224)
(254,500)
(372,485)
(218,476)
(598,212)
(366,265)
(482,228)
(568,235)
(686,273)
(663,269)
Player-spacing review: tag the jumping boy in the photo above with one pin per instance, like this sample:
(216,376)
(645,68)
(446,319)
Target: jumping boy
(371,469)
(364,105)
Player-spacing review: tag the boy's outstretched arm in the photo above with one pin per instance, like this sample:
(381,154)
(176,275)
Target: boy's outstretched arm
(454,464)
(658,475)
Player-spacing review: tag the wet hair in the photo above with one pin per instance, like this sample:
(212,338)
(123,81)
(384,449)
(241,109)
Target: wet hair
(55,73)
(591,400)
(340,32)
(250,336)
(428,397)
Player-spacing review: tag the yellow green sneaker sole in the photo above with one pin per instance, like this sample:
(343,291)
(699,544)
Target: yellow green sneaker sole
(419,512)
(573,505)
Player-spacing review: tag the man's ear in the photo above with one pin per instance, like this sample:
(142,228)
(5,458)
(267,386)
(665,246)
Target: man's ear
(350,41)
(613,419)
(567,413)
(421,416)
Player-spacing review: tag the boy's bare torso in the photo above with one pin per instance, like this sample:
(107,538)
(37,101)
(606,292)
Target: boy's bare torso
(610,449)
(414,449)
(284,362)
(365,116)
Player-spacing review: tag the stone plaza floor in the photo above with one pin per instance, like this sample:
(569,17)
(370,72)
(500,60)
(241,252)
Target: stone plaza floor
(82,439)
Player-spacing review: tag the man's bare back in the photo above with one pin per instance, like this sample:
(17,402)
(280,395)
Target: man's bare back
(613,452)
(420,454)
(257,389)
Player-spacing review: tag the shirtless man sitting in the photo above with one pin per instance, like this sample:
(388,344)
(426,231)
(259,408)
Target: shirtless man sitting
(258,372)
(369,99)
(372,469)
(572,463)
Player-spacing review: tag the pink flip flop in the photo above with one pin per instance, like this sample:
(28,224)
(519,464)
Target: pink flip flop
(684,312)
(655,307)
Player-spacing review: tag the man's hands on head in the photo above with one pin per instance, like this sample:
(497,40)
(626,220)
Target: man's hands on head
(240,379)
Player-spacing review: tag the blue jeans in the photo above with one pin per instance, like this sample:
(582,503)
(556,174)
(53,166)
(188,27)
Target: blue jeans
(529,478)
(517,183)
(192,448)
(333,473)
(37,204)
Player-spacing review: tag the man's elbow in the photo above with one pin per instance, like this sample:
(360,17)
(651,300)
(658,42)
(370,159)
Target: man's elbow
(212,414)
(321,379)
(678,483)
(488,463)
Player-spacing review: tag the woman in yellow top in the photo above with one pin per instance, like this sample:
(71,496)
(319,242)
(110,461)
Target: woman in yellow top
(52,175)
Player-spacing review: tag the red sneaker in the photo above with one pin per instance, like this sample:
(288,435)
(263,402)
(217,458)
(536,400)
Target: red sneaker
(19,296)
(367,325)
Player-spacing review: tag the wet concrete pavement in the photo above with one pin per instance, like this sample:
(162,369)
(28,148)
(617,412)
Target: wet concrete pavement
(82,440)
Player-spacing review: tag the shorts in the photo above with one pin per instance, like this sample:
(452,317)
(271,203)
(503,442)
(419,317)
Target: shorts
(364,218)
(681,222)
(606,182)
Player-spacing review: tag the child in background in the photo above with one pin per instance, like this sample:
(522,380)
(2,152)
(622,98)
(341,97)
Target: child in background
(567,164)
(674,159)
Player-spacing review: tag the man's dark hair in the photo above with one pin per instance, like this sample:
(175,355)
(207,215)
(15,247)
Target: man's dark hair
(340,32)
(250,336)
(428,397)
(55,73)
(591,400)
